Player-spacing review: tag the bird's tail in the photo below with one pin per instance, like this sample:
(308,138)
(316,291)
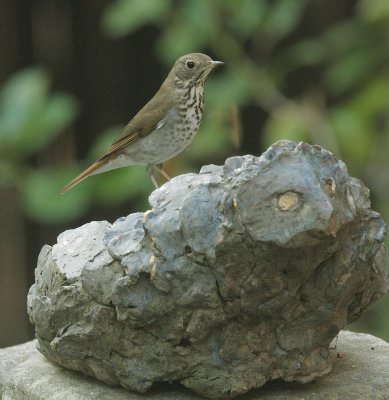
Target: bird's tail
(82,176)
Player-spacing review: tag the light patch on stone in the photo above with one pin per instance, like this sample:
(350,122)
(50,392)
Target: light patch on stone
(288,201)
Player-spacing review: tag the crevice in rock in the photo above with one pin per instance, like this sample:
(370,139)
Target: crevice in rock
(188,250)
(223,302)
(184,342)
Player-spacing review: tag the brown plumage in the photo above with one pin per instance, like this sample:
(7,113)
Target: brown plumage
(82,176)
(164,127)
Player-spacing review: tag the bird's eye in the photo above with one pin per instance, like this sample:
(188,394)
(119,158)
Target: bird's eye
(190,64)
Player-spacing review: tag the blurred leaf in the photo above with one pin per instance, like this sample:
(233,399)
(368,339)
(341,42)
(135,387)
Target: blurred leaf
(283,17)
(353,136)
(58,113)
(233,85)
(214,136)
(247,16)
(29,116)
(372,99)
(178,39)
(113,187)
(21,98)
(344,38)
(374,10)
(190,30)
(40,200)
(351,69)
(287,122)
(125,16)
(306,52)
(201,14)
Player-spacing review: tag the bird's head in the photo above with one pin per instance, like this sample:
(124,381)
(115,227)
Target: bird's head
(192,69)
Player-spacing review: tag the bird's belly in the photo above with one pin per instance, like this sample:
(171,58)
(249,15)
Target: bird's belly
(162,144)
(157,147)
(172,135)
(118,162)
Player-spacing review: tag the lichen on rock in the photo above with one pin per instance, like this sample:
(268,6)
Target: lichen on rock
(239,275)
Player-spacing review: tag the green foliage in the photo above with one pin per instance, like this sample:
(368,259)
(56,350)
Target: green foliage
(283,17)
(125,16)
(288,122)
(213,139)
(246,17)
(29,116)
(374,11)
(237,90)
(40,200)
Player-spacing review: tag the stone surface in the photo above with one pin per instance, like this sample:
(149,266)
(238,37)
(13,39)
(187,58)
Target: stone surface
(360,371)
(237,276)
(12,356)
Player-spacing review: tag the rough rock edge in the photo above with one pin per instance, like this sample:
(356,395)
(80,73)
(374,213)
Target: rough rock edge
(360,370)
(189,235)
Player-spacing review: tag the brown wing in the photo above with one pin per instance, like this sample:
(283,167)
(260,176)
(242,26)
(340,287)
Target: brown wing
(144,122)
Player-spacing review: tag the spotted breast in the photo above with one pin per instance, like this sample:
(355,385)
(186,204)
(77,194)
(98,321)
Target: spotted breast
(191,111)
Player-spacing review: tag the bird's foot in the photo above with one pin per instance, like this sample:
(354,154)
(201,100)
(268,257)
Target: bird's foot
(150,173)
(162,172)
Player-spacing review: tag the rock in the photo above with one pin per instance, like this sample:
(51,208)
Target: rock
(360,371)
(237,276)
(12,356)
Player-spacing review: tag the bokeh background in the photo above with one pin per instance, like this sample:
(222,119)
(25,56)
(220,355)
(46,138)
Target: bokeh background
(73,72)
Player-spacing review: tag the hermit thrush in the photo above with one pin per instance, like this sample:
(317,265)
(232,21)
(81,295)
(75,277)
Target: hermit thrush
(165,126)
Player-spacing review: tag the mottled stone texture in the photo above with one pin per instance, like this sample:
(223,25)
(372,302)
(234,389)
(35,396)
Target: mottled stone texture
(360,370)
(236,276)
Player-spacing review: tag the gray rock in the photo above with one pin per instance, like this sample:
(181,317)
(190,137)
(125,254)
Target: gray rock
(360,371)
(10,357)
(237,276)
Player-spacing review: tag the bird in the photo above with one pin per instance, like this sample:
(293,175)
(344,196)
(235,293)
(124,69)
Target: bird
(164,127)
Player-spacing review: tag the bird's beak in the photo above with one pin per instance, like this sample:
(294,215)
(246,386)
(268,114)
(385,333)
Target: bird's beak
(214,64)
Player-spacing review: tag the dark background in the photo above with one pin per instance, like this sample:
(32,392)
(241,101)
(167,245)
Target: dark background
(72,73)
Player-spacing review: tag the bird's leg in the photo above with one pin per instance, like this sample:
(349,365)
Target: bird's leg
(162,172)
(150,172)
